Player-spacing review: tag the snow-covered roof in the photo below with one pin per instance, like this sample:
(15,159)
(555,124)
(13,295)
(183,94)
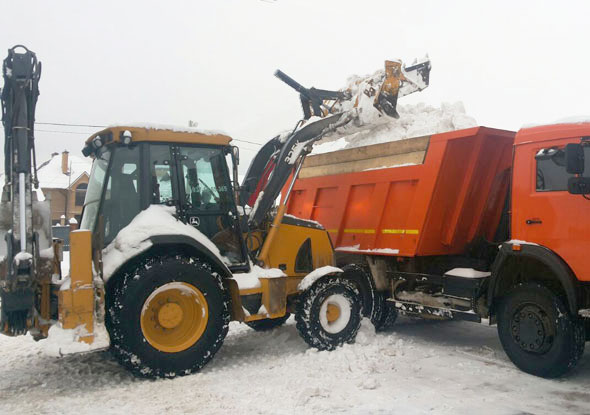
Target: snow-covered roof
(175,128)
(51,175)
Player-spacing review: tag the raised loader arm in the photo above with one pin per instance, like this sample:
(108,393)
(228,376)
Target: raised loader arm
(276,160)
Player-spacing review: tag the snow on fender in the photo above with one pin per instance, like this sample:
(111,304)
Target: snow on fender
(315,275)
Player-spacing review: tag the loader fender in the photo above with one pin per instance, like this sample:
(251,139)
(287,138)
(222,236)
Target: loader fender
(194,247)
(315,275)
(508,259)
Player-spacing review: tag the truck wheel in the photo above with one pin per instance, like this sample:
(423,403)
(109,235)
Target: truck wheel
(538,333)
(329,313)
(167,316)
(387,315)
(268,323)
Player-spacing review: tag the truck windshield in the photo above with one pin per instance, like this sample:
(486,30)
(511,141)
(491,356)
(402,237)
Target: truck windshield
(95,186)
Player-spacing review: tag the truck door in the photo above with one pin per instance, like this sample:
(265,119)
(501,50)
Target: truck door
(543,210)
(206,198)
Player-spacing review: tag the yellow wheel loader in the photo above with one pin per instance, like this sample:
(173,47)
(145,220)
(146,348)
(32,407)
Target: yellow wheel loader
(170,248)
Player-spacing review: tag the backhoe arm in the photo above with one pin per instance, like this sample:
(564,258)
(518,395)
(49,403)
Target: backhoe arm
(24,223)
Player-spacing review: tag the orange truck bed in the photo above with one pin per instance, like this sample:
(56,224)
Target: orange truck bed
(441,192)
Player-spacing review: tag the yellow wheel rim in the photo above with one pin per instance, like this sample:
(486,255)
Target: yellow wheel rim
(174,317)
(332,313)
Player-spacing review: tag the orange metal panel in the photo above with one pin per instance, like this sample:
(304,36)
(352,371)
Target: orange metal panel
(429,209)
(561,219)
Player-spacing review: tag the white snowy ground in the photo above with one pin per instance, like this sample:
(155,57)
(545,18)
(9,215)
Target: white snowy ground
(421,367)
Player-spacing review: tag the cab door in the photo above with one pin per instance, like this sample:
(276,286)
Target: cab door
(206,198)
(544,212)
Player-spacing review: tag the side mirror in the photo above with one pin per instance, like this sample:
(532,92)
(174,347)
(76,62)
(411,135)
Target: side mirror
(578,185)
(574,159)
(235,151)
(235,156)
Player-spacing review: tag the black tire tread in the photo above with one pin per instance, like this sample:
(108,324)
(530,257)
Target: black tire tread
(309,328)
(557,361)
(130,281)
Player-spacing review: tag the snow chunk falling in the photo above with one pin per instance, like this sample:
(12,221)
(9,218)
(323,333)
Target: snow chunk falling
(251,279)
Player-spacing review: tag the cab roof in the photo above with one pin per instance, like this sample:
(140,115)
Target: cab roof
(161,133)
(565,129)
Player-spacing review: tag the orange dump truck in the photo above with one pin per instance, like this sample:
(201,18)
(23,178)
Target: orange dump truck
(472,224)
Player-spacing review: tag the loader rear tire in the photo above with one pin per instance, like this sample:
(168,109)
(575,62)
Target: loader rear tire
(268,323)
(167,316)
(329,313)
(538,333)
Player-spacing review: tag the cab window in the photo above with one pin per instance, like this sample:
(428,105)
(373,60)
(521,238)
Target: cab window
(551,173)
(206,186)
(161,174)
(121,200)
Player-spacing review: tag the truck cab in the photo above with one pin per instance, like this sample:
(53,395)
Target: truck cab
(544,211)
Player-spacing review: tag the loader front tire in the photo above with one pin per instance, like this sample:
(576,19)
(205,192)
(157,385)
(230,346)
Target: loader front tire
(538,332)
(167,316)
(329,313)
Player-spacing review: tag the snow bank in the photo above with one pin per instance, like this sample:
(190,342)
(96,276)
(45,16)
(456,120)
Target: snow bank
(447,368)
(62,341)
(251,279)
(467,273)
(356,248)
(375,128)
(134,238)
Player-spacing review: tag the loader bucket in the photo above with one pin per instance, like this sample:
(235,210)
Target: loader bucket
(400,81)
(17,316)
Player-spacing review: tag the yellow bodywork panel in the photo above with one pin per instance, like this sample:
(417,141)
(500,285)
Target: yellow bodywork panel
(289,239)
(76,304)
(140,134)
(282,253)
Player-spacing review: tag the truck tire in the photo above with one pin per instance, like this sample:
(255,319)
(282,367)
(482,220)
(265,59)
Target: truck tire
(167,316)
(268,323)
(329,313)
(537,331)
(386,317)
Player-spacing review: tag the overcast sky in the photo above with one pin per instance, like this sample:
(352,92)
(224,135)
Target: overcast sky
(511,63)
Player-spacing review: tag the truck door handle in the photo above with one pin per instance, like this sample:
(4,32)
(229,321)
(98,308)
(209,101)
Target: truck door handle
(534,221)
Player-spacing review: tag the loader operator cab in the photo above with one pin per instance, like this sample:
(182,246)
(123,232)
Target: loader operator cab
(134,168)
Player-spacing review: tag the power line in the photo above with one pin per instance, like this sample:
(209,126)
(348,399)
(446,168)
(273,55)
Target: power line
(64,132)
(104,126)
(70,125)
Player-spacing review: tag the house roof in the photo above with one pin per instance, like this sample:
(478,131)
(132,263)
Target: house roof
(51,176)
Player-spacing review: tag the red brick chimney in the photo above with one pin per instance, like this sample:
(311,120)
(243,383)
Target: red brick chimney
(64,162)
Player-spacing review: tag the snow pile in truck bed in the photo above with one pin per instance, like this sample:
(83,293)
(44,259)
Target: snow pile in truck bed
(415,120)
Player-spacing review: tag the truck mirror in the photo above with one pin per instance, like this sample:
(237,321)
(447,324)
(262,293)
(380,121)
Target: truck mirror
(574,156)
(578,185)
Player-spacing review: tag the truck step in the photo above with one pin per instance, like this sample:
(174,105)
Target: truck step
(419,310)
